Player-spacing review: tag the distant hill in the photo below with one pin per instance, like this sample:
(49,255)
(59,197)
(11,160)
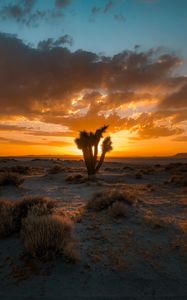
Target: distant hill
(180,155)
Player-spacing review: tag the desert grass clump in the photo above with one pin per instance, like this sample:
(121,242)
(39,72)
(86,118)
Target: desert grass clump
(75,178)
(100,201)
(138,175)
(46,237)
(7,218)
(24,170)
(118,210)
(55,169)
(105,199)
(178,179)
(10,178)
(153,221)
(38,205)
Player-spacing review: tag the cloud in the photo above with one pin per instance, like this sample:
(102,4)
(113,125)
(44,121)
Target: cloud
(6,127)
(62,3)
(177,99)
(34,143)
(150,132)
(119,17)
(95,10)
(182,138)
(18,11)
(52,43)
(109,5)
(27,13)
(106,9)
(52,84)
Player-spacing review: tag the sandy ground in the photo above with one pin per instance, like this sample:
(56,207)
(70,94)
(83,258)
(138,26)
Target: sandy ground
(141,256)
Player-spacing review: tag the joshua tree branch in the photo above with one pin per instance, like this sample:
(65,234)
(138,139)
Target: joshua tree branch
(100,161)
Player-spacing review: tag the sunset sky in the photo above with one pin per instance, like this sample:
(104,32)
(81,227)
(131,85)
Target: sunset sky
(67,65)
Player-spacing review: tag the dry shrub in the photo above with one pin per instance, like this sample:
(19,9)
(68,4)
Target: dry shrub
(118,210)
(148,170)
(106,198)
(7,218)
(152,220)
(47,237)
(55,169)
(100,201)
(11,178)
(178,180)
(24,170)
(38,205)
(183,226)
(173,166)
(12,213)
(180,244)
(138,175)
(75,178)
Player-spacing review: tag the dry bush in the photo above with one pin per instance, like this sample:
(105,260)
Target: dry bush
(75,178)
(180,244)
(11,178)
(118,210)
(148,170)
(55,169)
(106,198)
(178,180)
(39,205)
(12,213)
(7,218)
(152,220)
(99,202)
(24,170)
(109,169)
(173,166)
(138,175)
(128,168)
(183,226)
(46,237)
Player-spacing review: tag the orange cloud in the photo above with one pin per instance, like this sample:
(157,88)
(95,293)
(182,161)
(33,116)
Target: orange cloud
(51,86)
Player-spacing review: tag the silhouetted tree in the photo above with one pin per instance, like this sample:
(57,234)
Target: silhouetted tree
(88,142)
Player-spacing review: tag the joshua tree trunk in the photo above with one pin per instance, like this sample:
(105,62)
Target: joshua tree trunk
(88,158)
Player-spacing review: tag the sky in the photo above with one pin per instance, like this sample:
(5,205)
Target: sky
(70,65)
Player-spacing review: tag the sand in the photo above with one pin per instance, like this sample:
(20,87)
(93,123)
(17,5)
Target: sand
(140,256)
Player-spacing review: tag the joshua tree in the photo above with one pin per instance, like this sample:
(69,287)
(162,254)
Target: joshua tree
(88,142)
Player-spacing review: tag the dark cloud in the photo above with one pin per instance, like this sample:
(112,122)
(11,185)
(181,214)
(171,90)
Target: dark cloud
(95,10)
(18,11)
(177,99)
(108,7)
(150,132)
(40,83)
(26,12)
(52,43)
(62,3)
(119,17)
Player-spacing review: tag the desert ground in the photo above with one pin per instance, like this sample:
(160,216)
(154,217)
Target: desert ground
(135,249)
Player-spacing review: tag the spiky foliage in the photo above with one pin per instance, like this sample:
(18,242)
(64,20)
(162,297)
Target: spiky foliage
(88,142)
